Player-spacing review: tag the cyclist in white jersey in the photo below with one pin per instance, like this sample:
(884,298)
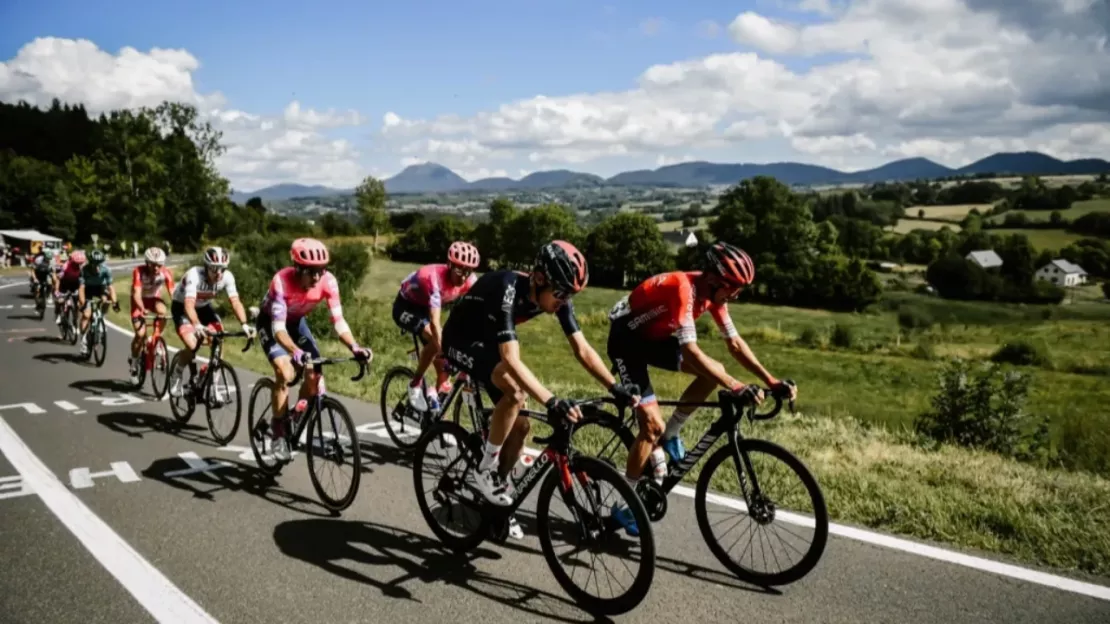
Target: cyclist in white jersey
(192,299)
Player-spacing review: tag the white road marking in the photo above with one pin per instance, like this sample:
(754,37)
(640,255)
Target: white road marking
(196,464)
(878,539)
(17,485)
(160,597)
(67,406)
(31,408)
(81,478)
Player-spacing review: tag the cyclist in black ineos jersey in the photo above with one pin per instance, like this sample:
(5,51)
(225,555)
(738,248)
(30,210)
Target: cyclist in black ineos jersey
(480,338)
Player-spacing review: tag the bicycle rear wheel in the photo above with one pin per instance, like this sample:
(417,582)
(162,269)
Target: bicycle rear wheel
(258,427)
(223,389)
(590,529)
(325,447)
(74,323)
(726,464)
(440,475)
(402,422)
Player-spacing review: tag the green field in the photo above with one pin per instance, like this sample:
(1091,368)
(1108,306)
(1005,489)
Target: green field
(1078,209)
(954,213)
(1042,239)
(674,226)
(905,226)
(856,406)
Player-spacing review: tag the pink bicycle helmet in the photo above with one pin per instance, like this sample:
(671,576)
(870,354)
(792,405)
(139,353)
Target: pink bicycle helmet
(463,254)
(309,252)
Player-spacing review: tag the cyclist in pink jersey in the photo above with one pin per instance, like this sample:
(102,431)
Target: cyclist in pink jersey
(68,282)
(417,310)
(283,329)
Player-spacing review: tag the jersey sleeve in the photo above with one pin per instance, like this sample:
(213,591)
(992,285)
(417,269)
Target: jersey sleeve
(229,284)
(567,320)
(435,294)
(136,278)
(335,306)
(501,309)
(724,321)
(189,284)
(169,278)
(682,304)
(105,275)
(277,307)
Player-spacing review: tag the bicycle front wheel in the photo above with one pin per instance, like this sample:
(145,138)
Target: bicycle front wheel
(100,342)
(589,531)
(259,412)
(328,447)
(182,398)
(223,391)
(160,369)
(442,477)
(402,422)
(771,467)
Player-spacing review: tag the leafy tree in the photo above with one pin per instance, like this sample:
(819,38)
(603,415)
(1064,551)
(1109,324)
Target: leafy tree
(625,248)
(370,196)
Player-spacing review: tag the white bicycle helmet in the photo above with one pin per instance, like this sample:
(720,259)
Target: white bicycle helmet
(216,257)
(155,256)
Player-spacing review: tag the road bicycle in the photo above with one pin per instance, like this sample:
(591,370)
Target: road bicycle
(155,358)
(69,313)
(592,525)
(39,291)
(96,338)
(216,384)
(403,423)
(737,453)
(308,419)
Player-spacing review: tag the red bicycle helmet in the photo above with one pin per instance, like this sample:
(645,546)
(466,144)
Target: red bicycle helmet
(564,266)
(309,252)
(731,263)
(463,254)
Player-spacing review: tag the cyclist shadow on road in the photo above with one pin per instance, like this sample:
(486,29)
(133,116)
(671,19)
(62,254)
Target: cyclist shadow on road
(23,317)
(233,476)
(374,452)
(108,386)
(137,424)
(528,523)
(68,358)
(326,543)
(57,340)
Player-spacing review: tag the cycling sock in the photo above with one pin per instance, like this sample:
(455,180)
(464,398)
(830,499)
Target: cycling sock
(674,425)
(415,382)
(490,457)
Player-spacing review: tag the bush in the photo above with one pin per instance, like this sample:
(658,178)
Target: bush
(810,338)
(913,317)
(1020,353)
(842,336)
(984,410)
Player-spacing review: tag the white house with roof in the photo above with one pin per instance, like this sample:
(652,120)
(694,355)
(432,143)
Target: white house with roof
(1062,273)
(985,258)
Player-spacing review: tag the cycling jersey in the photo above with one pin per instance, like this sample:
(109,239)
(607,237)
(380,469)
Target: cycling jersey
(99,276)
(497,303)
(40,265)
(430,286)
(151,282)
(668,304)
(194,285)
(286,302)
(71,271)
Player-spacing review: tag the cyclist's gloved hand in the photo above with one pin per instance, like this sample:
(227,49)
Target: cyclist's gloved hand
(115,306)
(748,394)
(362,353)
(562,409)
(249,330)
(300,357)
(625,394)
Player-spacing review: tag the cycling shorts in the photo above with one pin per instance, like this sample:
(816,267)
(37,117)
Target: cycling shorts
(149,305)
(631,355)
(410,316)
(298,332)
(205,314)
(476,357)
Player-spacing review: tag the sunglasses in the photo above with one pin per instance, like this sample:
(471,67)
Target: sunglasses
(314,271)
(461,271)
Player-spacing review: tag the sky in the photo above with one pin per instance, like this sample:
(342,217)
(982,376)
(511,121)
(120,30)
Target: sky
(329,92)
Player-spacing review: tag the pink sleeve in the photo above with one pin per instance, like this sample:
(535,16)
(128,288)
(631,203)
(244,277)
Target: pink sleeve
(433,284)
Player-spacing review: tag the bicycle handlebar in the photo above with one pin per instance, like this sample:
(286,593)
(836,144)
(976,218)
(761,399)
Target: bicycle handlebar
(221,335)
(724,397)
(363,365)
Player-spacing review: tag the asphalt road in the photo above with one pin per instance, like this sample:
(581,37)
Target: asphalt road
(245,553)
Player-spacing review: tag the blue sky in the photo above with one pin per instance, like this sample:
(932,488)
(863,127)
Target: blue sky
(418,59)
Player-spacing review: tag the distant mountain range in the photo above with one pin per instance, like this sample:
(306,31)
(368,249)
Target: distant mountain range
(433,178)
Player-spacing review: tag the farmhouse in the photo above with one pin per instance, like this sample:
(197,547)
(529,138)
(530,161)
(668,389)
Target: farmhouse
(985,258)
(1062,273)
(683,237)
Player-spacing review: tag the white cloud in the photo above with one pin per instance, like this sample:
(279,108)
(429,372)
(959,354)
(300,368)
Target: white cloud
(945,79)
(261,150)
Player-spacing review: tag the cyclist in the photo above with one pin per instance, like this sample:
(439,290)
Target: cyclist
(42,272)
(191,307)
(654,325)
(284,333)
(146,293)
(68,282)
(480,338)
(417,310)
(95,281)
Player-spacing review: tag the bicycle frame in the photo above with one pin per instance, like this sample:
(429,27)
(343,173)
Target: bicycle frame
(215,355)
(152,339)
(316,403)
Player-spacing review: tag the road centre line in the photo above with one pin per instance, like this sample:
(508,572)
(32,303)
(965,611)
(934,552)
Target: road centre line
(160,597)
(1092,590)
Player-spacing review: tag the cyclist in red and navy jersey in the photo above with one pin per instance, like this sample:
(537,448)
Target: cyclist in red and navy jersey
(654,326)
(480,338)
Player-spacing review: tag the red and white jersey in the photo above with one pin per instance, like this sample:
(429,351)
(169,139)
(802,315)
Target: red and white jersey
(195,285)
(151,282)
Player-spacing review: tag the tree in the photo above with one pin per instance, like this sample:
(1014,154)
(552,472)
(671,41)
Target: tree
(626,247)
(533,228)
(370,196)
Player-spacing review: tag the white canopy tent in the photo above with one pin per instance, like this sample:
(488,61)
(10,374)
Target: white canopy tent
(27,236)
